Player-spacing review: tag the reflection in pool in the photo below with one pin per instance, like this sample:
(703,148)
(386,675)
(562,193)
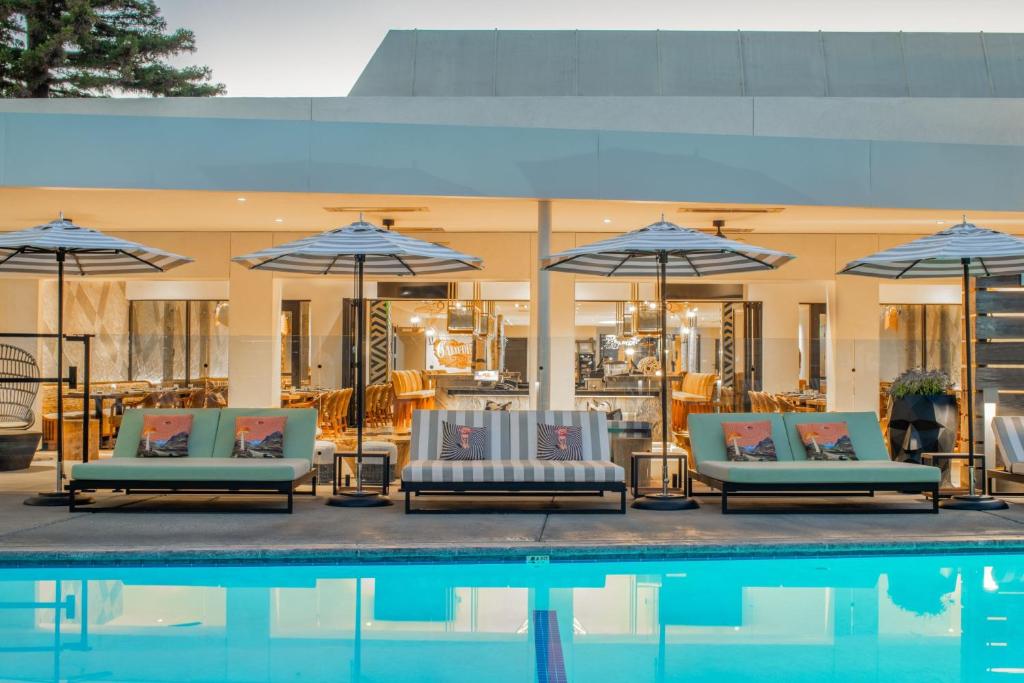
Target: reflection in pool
(955,618)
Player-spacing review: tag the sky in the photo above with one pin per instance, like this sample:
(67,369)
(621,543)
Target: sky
(317,48)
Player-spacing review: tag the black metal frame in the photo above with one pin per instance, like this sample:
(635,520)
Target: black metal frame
(385,458)
(286,488)
(634,474)
(490,488)
(1004,475)
(824,490)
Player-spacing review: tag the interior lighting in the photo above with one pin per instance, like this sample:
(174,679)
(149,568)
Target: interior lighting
(279,220)
(242,199)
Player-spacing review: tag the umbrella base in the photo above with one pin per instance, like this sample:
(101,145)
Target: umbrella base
(665,501)
(358,499)
(56,499)
(980,503)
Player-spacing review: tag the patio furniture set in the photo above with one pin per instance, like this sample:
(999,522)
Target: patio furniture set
(512,461)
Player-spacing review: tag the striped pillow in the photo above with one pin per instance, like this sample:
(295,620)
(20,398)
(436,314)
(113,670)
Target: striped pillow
(559,442)
(459,442)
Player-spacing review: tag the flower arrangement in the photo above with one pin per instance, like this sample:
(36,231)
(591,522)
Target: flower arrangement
(916,382)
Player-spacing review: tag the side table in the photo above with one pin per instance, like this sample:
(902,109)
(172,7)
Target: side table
(945,461)
(678,455)
(383,457)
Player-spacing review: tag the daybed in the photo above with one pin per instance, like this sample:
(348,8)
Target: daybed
(793,473)
(511,465)
(209,467)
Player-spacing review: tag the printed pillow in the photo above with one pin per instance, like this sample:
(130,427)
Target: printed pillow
(258,436)
(826,441)
(164,436)
(459,442)
(559,442)
(749,441)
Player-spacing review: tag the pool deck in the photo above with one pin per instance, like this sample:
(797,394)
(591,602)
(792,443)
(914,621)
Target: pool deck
(193,529)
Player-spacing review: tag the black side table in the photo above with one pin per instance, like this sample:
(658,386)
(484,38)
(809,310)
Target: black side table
(634,472)
(944,461)
(385,460)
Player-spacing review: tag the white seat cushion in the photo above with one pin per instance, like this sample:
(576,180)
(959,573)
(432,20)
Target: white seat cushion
(434,471)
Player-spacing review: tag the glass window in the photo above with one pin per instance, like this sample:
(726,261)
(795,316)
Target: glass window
(925,336)
(177,342)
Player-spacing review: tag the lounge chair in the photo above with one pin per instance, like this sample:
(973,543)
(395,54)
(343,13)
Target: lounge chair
(512,466)
(1009,432)
(209,467)
(793,473)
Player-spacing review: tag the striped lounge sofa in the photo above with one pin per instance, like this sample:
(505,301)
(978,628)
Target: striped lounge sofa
(1009,432)
(511,465)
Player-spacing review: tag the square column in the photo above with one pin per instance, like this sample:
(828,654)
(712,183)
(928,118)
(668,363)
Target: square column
(254,348)
(552,322)
(853,308)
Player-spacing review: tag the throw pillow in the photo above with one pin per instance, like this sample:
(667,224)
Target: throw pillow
(826,441)
(749,441)
(164,436)
(559,442)
(259,436)
(459,442)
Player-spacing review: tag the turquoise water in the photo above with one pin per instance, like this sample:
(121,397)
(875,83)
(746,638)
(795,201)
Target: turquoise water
(920,619)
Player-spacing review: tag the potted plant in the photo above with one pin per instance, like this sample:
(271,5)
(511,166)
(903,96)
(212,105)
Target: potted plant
(923,415)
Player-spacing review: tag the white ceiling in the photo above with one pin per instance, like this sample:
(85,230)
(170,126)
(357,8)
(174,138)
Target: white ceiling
(172,210)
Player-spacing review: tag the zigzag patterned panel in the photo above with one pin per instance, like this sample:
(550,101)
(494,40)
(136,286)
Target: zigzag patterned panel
(379,361)
(728,345)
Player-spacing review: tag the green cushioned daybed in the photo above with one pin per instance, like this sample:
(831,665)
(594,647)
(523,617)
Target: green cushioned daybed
(209,467)
(793,472)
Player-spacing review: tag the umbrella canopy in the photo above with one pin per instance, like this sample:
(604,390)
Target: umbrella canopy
(89,252)
(663,249)
(963,251)
(335,252)
(691,253)
(942,255)
(360,248)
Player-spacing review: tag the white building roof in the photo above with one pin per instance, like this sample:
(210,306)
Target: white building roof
(694,63)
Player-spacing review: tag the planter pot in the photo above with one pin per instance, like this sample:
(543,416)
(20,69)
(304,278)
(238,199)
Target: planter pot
(17,448)
(922,424)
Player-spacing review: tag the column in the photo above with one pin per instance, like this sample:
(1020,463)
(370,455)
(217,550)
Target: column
(853,372)
(254,360)
(542,309)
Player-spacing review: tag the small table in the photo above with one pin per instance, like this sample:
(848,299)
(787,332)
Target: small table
(385,461)
(634,471)
(98,399)
(944,461)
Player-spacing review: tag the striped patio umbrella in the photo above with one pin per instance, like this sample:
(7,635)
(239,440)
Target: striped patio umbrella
(61,247)
(963,251)
(660,250)
(360,248)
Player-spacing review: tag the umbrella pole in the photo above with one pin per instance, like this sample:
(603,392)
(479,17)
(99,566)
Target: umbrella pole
(973,500)
(59,496)
(359,497)
(664,500)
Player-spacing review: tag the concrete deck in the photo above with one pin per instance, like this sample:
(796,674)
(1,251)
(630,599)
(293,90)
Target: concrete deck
(167,529)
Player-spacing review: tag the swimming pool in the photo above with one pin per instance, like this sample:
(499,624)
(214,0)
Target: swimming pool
(881,618)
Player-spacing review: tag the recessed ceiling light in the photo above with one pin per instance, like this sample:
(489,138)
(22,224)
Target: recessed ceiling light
(940,222)
(607,220)
(241,199)
(279,220)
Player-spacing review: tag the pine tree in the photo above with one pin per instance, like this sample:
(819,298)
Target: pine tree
(94,48)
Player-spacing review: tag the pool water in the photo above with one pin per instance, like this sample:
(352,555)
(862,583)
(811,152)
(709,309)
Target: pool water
(920,619)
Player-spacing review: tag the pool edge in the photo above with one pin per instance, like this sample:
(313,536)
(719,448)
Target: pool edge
(29,557)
